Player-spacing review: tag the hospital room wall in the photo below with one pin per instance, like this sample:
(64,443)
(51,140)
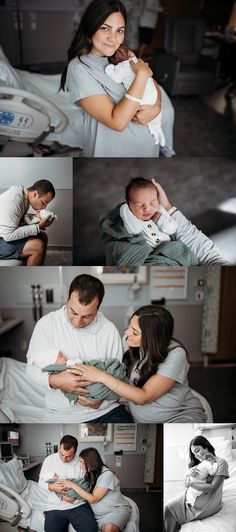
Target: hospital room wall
(131,472)
(16,300)
(25,171)
(176,446)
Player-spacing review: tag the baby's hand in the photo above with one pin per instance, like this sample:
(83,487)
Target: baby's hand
(156,217)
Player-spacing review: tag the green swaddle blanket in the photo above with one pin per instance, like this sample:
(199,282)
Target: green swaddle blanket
(97,391)
(82,482)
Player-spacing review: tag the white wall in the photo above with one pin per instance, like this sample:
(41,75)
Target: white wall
(176,446)
(131,472)
(15,293)
(26,170)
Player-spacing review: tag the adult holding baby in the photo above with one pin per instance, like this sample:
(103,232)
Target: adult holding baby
(18,240)
(114,122)
(77,330)
(148,229)
(157,368)
(62,508)
(178,511)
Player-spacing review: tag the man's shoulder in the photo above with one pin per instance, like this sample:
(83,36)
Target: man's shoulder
(52,317)
(106,323)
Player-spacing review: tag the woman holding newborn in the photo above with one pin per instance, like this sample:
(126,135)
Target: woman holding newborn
(111,509)
(114,122)
(178,512)
(157,367)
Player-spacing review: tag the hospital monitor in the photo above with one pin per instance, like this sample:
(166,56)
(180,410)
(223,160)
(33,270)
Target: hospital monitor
(6,451)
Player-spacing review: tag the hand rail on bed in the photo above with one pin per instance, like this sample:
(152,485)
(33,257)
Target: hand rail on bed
(25,509)
(25,116)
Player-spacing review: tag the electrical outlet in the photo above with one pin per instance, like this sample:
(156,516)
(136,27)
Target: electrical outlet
(199,295)
(143,449)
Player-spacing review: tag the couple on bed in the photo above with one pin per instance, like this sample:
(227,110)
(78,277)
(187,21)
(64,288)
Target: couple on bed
(82,491)
(204,483)
(155,366)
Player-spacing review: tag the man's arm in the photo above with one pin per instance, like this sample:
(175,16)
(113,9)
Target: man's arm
(12,212)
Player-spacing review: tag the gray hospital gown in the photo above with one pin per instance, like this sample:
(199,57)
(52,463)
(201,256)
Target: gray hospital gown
(210,503)
(86,77)
(178,405)
(113,508)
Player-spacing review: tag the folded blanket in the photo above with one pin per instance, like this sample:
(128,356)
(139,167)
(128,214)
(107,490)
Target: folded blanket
(70,492)
(133,250)
(97,391)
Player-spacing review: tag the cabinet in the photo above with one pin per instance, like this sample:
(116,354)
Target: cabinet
(153,471)
(226,345)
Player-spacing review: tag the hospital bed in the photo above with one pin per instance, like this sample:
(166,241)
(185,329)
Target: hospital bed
(22,401)
(22,502)
(33,111)
(225,519)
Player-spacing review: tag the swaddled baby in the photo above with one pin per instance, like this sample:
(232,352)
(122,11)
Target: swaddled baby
(96,391)
(142,213)
(35,218)
(208,466)
(120,71)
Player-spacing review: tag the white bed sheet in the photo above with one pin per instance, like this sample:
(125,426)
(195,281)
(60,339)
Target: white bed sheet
(225,519)
(46,86)
(37,498)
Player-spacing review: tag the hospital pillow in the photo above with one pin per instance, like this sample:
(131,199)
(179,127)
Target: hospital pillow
(8,75)
(223,448)
(11,475)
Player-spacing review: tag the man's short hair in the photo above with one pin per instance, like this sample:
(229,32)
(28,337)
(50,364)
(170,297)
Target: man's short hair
(88,288)
(136,183)
(43,186)
(69,442)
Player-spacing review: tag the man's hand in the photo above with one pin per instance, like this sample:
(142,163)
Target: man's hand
(67,382)
(88,402)
(163,199)
(46,222)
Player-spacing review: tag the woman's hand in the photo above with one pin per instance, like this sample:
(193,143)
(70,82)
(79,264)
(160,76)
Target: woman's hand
(146,113)
(66,484)
(163,199)
(188,481)
(88,373)
(141,68)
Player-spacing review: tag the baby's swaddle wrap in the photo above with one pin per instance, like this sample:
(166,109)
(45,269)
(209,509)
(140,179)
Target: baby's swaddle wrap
(154,232)
(123,73)
(82,482)
(205,468)
(31,218)
(97,390)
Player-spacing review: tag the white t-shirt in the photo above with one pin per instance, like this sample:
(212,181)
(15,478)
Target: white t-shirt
(51,465)
(54,333)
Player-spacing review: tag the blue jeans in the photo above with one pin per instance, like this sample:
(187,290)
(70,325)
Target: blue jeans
(81,518)
(117,415)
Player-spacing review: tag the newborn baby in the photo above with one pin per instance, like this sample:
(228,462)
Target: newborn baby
(120,71)
(207,467)
(35,218)
(142,213)
(96,391)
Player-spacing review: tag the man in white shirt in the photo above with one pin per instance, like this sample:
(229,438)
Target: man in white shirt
(64,510)
(19,240)
(77,330)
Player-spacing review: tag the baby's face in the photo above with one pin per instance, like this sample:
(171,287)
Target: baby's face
(144,203)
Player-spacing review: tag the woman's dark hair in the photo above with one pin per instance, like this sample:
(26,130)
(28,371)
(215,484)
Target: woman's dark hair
(93,17)
(199,440)
(137,183)
(93,464)
(156,324)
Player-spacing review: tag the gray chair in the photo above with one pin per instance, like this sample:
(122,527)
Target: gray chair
(181,68)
